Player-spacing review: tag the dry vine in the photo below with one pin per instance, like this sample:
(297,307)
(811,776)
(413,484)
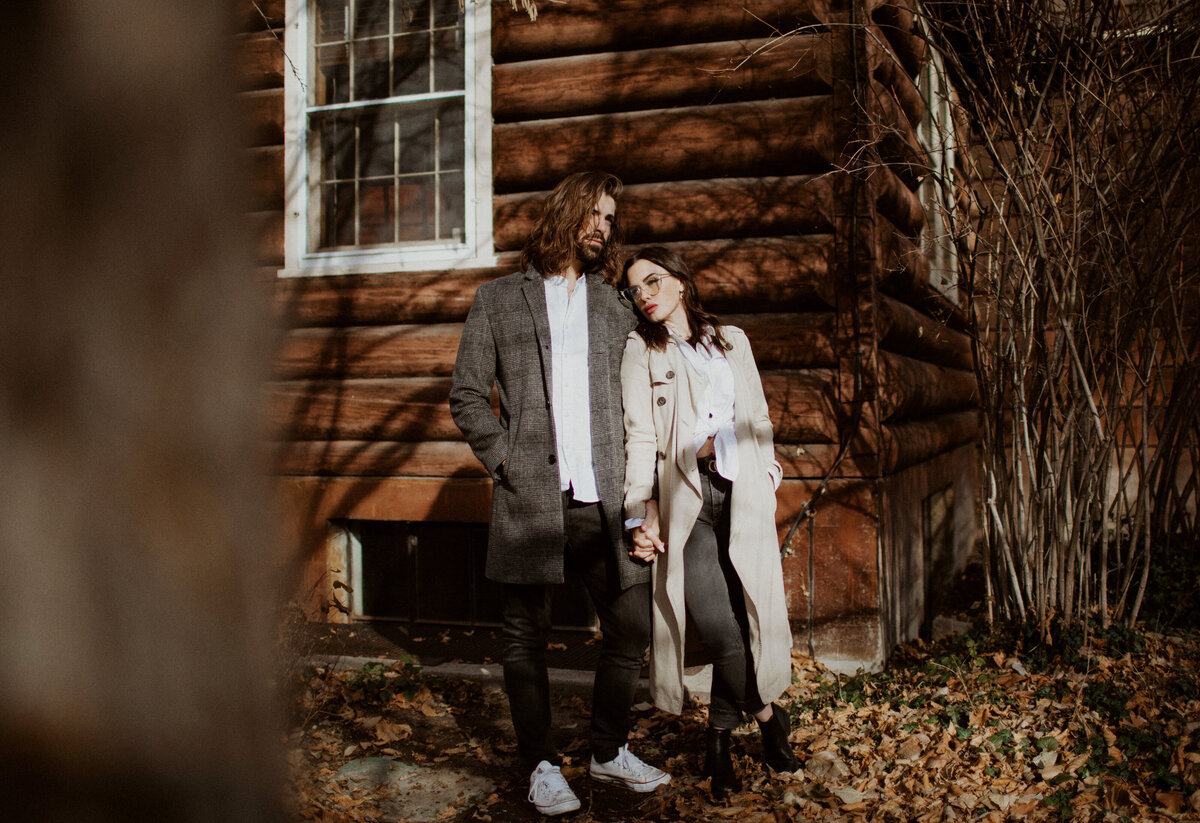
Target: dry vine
(1081,279)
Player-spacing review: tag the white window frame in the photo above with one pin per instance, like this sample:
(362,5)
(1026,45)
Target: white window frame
(936,135)
(476,249)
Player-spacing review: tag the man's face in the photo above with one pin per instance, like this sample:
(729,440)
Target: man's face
(596,229)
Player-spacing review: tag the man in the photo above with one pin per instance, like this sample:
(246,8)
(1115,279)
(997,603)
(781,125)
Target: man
(552,337)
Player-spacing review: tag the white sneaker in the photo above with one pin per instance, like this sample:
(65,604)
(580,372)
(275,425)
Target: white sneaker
(549,792)
(626,770)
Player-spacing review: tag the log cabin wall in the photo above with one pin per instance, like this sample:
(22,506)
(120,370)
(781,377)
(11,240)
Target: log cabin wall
(741,148)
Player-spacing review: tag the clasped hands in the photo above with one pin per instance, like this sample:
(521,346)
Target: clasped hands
(646,540)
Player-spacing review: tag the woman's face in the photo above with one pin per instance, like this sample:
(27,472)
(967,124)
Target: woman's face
(663,306)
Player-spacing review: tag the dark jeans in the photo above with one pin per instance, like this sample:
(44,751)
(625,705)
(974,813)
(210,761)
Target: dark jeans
(624,621)
(716,608)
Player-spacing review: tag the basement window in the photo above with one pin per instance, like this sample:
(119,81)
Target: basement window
(433,573)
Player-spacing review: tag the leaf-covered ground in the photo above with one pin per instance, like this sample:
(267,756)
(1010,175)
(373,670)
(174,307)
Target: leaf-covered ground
(981,727)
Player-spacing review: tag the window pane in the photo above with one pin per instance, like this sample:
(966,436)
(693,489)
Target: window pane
(336,137)
(370,18)
(338,204)
(417,130)
(377,213)
(453,209)
(331,21)
(451,138)
(412,15)
(447,13)
(411,64)
(332,78)
(376,144)
(370,69)
(448,60)
(417,199)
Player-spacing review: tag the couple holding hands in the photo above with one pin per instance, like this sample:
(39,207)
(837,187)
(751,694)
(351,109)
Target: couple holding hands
(633,448)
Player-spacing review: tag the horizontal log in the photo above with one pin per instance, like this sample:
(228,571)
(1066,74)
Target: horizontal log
(905,276)
(266,232)
(898,144)
(897,19)
(598,25)
(365,458)
(761,274)
(369,351)
(904,330)
(799,405)
(781,341)
(753,139)
(786,273)
(695,209)
(915,441)
(909,388)
(382,299)
(890,73)
(262,113)
(732,275)
(789,341)
(692,74)
(259,58)
(417,409)
(265,189)
(403,409)
(899,204)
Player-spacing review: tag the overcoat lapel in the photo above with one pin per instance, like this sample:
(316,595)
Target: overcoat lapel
(535,296)
(695,384)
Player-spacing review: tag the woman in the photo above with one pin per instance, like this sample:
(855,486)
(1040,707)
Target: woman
(700,482)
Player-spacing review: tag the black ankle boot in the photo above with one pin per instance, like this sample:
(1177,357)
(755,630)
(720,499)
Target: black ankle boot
(718,763)
(777,751)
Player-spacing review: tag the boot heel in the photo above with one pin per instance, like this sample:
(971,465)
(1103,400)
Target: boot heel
(718,763)
(777,751)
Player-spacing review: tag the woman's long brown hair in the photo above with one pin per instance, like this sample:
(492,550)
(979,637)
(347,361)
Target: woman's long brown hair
(553,242)
(656,334)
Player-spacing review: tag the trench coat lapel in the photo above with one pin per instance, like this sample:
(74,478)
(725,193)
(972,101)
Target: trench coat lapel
(535,296)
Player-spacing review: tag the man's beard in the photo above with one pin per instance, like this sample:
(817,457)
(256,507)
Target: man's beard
(589,254)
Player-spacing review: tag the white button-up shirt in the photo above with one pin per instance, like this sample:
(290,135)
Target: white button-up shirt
(570,397)
(714,418)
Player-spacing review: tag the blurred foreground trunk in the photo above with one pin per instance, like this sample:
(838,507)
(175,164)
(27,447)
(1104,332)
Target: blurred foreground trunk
(135,531)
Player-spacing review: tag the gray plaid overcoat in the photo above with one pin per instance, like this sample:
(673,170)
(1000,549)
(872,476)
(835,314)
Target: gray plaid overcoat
(506,342)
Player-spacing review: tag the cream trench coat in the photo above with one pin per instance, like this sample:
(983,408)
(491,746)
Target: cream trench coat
(661,395)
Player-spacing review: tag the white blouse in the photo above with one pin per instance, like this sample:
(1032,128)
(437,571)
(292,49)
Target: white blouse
(714,418)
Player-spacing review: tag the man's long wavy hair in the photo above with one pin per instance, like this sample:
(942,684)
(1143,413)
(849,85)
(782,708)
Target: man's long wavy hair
(656,334)
(553,243)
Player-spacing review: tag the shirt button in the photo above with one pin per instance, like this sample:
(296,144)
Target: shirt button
(551,460)
(670,375)
(662,401)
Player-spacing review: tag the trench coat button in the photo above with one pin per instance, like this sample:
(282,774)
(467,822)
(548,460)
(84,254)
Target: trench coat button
(551,460)
(670,375)
(662,401)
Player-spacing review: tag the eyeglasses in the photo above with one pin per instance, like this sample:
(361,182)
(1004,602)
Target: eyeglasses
(649,287)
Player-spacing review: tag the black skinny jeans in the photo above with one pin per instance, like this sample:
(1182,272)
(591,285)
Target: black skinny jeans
(716,608)
(624,617)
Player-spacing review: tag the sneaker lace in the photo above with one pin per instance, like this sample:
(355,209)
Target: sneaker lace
(631,763)
(545,784)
